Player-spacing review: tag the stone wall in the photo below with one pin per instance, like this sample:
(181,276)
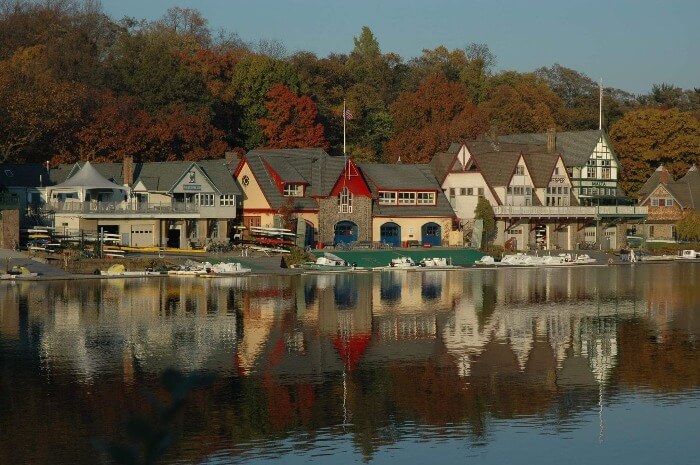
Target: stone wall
(9,228)
(328,216)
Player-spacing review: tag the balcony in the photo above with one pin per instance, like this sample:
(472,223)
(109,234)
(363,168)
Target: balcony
(598,212)
(126,209)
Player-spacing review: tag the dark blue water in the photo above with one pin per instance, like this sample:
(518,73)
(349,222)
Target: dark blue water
(596,364)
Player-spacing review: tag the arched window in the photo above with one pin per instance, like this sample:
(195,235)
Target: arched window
(345,201)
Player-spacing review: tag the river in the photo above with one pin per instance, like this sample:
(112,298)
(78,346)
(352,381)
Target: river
(547,366)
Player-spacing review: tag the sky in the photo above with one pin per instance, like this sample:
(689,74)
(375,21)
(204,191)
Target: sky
(630,44)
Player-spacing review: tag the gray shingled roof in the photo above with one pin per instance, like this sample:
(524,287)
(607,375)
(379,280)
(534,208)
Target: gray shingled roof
(440,164)
(687,189)
(313,166)
(653,182)
(541,165)
(23,175)
(220,172)
(497,167)
(400,176)
(575,147)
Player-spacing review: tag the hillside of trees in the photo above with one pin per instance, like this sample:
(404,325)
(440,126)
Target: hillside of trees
(76,84)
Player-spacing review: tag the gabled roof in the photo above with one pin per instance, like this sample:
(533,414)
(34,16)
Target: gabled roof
(405,177)
(541,166)
(576,147)
(23,175)
(654,180)
(313,166)
(441,164)
(687,189)
(497,168)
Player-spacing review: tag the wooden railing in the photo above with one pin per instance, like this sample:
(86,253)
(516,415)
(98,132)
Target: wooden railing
(122,207)
(574,212)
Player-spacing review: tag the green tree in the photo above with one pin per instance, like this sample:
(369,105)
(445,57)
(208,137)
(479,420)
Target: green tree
(647,137)
(253,78)
(484,211)
(688,228)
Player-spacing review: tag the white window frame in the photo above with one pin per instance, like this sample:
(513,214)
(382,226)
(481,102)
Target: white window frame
(425,198)
(387,198)
(205,200)
(407,198)
(345,201)
(227,200)
(293,190)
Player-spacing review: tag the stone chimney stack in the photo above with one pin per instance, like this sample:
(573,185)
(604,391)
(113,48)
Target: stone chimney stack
(664,176)
(128,170)
(551,140)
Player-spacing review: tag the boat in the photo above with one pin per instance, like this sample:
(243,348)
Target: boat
(584,259)
(436,263)
(225,269)
(688,254)
(513,259)
(119,270)
(328,262)
(18,272)
(485,260)
(191,268)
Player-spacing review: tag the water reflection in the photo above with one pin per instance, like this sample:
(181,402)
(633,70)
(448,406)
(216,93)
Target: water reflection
(373,359)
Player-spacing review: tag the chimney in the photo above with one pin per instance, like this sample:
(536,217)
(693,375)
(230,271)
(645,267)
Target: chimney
(663,174)
(551,140)
(128,170)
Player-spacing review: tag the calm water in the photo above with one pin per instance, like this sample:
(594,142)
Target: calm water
(598,364)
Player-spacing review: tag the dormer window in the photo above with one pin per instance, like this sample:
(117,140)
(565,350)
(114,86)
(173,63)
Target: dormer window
(293,190)
(387,198)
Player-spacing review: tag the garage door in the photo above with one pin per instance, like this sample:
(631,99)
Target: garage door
(142,236)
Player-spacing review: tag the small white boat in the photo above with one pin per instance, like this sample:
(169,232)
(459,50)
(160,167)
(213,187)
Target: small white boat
(688,254)
(584,259)
(517,259)
(225,269)
(18,272)
(191,269)
(485,260)
(436,263)
(329,263)
(402,262)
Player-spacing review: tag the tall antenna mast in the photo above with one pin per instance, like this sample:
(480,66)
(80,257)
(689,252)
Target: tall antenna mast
(600,106)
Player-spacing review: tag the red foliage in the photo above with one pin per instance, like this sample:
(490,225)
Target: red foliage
(428,119)
(291,121)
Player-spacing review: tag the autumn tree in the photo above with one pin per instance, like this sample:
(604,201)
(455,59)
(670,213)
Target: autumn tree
(292,120)
(37,111)
(688,228)
(253,78)
(521,103)
(429,119)
(645,138)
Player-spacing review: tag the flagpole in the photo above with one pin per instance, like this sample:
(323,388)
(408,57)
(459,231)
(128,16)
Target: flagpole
(600,106)
(345,157)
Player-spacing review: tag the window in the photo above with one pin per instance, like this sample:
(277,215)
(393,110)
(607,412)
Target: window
(193,176)
(452,191)
(607,173)
(293,190)
(513,232)
(556,170)
(345,201)
(590,172)
(227,200)
(651,231)
(480,191)
(206,200)
(192,229)
(669,202)
(463,191)
(387,198)
(470,191)
(407,198)
(520,170)
(214,229)
(425,198)
(654,202)
(510,190)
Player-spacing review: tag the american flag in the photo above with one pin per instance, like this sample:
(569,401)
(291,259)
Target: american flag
(347,115)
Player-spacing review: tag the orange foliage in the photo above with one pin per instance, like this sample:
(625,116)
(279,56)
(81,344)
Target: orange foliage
(291,121)
(430,118)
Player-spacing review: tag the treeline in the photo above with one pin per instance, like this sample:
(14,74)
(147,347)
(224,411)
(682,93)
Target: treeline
(77,84)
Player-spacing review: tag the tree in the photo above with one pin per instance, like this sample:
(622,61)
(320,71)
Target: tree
(484,211)
(253,78)
(522,103)
(647,137)
(292,120)
(688,228)
(37,111)
(429,119)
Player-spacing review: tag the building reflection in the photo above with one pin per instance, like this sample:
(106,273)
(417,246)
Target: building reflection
(363,351)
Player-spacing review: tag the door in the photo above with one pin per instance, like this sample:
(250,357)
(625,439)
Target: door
(390,233)
(431,234)
(142,236)
(345,232)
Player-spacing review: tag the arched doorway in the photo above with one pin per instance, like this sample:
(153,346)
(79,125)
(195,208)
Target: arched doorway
(390,233)
(431,234)
(345,232)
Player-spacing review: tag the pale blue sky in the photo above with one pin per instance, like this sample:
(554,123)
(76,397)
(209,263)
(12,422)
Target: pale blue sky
(631,44)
